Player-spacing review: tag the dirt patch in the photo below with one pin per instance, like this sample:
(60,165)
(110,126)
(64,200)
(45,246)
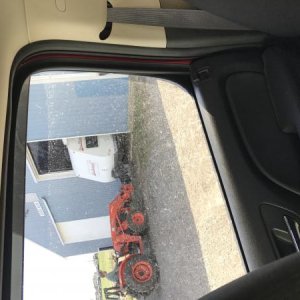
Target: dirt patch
(221,254)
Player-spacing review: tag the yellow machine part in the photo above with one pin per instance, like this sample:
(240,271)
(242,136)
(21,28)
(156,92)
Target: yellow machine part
(106,263)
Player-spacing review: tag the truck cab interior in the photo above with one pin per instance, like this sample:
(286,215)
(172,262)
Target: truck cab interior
(239,59)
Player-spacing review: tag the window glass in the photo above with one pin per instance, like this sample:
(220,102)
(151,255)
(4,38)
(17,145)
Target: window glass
(50,156)
(122,198)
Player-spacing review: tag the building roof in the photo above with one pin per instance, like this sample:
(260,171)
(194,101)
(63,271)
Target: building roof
(75,106)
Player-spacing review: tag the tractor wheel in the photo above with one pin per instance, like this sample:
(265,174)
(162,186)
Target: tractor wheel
(136,220)
(123,145)
(141,275)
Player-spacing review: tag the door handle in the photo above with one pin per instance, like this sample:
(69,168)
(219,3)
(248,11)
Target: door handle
(294,231)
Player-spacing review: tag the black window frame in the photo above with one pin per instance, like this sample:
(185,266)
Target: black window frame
(31,59)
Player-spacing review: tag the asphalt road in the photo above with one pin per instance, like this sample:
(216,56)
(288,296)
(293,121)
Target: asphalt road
(159,183)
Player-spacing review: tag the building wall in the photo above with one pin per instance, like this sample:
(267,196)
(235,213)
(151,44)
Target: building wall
(60,109)
(78,108)
(68,199)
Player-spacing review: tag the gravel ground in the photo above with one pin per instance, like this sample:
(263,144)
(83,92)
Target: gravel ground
(182,224)
(172,233)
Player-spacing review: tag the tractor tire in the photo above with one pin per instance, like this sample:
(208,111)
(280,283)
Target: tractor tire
(141,275)
(137,222)
(123,145)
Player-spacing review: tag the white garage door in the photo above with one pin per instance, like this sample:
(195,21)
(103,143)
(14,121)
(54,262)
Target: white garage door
(84,230)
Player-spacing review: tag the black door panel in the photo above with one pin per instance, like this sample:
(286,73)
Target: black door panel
(283,227)
(257,162)
(273,151)
(279,280)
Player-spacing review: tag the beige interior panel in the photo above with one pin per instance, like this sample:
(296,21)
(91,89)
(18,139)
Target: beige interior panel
(75,20)
(79,20)
(13,36)
(25,21)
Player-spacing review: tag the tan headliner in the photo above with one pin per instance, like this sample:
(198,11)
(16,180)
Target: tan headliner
(40,20)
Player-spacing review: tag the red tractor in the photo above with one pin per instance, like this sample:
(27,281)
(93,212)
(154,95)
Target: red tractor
(138,273)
